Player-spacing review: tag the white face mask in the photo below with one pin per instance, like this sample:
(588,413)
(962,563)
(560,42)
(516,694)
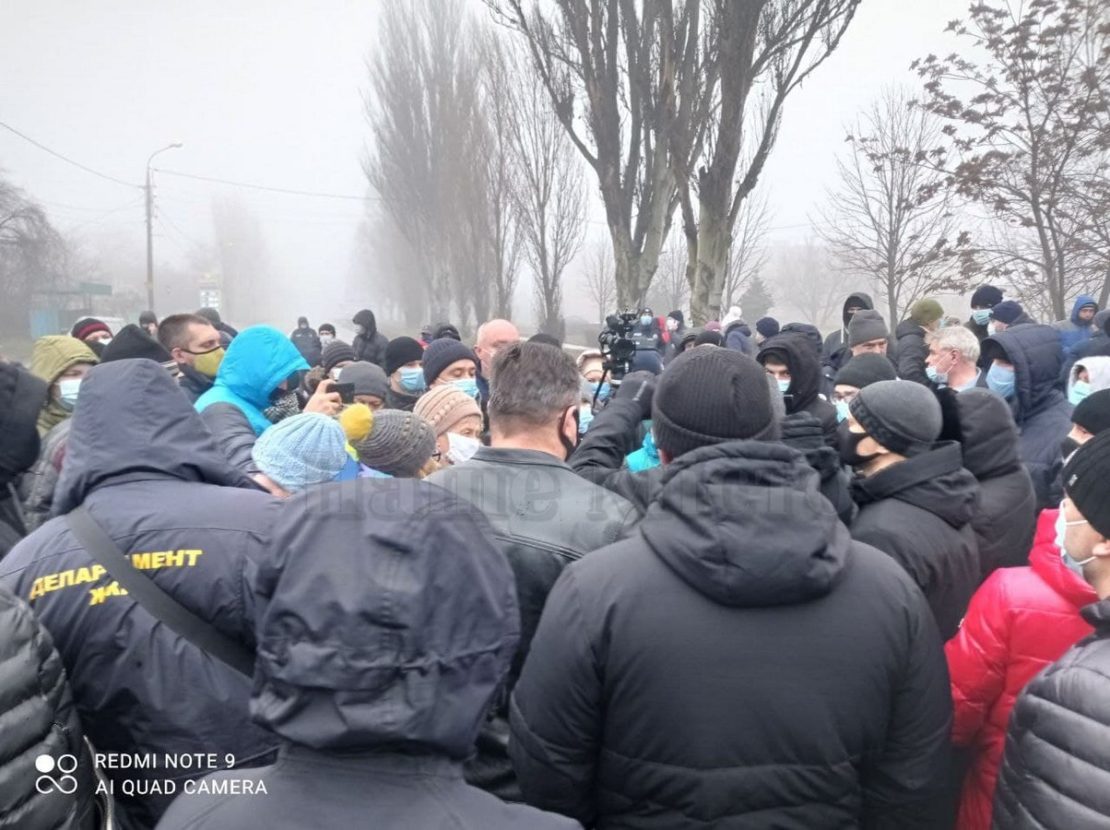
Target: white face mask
(1062,525)
(461,448)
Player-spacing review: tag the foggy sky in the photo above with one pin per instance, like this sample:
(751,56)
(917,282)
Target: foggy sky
(270,92)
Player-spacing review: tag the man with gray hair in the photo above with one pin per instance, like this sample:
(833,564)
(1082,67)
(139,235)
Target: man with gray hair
(544,515)
(953,359)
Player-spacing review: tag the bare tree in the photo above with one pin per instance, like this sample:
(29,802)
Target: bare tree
(1022,125)
(32,255)
(599,279)
(748,254)
(552,197)
(807,283)
(890,216)
(670,289)
(767,46)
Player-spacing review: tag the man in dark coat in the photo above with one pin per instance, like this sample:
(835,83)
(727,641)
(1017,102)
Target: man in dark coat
(545,516)
(1097,345)
(910,347)
(916,500)
(838,340)
(21,398)
(738,661)
(790,360)
(369,343)
(983,299)
(307,341)
(37,718)
(386,622)
(1007,516)
(1024,368)
(1054,771)
(141,461)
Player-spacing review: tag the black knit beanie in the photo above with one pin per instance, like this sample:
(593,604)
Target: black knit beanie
(336,352)
(866,325)
(1093,412)
(442,353)
(865,369)
(132,342)
(708,396)
(903,416)
(767,326)
(401,350)
(986,296)
(1085,477)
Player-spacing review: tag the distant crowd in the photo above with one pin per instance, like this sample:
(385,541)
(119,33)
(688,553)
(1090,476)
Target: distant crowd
(752,576)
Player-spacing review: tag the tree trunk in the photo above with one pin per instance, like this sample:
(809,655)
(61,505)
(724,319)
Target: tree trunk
(714,238)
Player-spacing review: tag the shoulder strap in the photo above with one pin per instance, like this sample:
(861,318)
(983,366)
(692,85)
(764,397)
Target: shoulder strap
(156,601)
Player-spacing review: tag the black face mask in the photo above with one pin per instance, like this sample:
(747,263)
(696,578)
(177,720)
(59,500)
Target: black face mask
(1068,446)
(568,445)
(849,449)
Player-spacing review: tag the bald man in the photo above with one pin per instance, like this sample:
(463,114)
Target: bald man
(492,335)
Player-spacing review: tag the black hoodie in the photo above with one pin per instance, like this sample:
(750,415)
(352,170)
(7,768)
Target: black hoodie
(919,512)
(839,338)
(738,661)
(1007,516)
(369,345)
(804,394)
(142,462)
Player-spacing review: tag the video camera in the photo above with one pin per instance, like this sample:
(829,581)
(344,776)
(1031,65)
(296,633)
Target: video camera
(617,346)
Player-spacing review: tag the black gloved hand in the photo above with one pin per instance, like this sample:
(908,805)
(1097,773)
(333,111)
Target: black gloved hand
(638,387)
(803,432)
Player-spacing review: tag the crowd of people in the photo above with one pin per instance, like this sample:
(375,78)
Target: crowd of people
(752,576)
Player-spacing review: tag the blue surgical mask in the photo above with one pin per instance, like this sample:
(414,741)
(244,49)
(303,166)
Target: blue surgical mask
(602,390)
(1000,380)
(67,392)
(467,385)
(645,319)
(585,418)
(982,316)
(1079,390)
(1062,525)
(939,378)
(784,385)
(412,380)
(841,411)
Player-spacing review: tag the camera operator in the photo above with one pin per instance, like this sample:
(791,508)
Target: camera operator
(647,335)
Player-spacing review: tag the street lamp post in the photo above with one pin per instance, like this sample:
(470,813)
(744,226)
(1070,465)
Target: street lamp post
(150,227)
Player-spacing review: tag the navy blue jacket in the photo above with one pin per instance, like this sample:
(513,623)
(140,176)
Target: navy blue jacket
(141,461)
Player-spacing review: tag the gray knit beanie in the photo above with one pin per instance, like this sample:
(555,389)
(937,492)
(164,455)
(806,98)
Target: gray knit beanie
(866,325)
(399,443)
(368,378)
(903,416)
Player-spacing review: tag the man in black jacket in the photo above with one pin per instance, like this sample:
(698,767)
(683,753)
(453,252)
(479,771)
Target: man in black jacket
(916,500)
(797,371)
(910,347)
(307,342)
(141,461)
(369,343)
(1054,771)
(738,660)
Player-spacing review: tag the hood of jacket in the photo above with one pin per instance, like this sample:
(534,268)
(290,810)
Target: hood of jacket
(1098,372)
(745,524)
(812,334)
(386,619)
(256,363)
(935,481)
(51,357)
(795,351)
(857,298)
(368,321)
(134,423)
(988,435)
(1044,559)
(1035,352)
(1080,301)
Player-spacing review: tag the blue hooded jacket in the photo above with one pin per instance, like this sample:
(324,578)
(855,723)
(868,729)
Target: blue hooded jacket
(256,363)
(1073,331)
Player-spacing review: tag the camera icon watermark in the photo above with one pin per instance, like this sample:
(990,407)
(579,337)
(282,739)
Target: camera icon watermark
(64,764)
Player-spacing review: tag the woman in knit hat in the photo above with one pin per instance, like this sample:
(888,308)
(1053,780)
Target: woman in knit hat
(300,451)
(397,444)
(62,362)
(456,419)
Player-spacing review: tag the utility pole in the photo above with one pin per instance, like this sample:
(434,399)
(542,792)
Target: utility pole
(150,226)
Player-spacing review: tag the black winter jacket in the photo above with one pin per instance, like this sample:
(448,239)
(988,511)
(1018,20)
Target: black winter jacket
(738,662)
(804,393)
(835,350)
(1040,409)
(910,352)
(193,383)
(143,464)
(1056,771)
(37,717)
(307,342)
(614,433)
(374,666)
(1007,516)
(919,512)
(370,345)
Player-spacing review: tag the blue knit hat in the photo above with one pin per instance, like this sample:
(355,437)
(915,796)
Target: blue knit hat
(302,450)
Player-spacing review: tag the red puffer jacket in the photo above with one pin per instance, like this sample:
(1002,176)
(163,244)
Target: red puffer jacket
(1019,621)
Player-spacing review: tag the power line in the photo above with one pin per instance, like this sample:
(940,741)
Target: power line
(286,190)
(66,159)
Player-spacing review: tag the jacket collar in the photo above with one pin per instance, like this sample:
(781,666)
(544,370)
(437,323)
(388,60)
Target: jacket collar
(1098,615)
(370,762)
(529,458)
